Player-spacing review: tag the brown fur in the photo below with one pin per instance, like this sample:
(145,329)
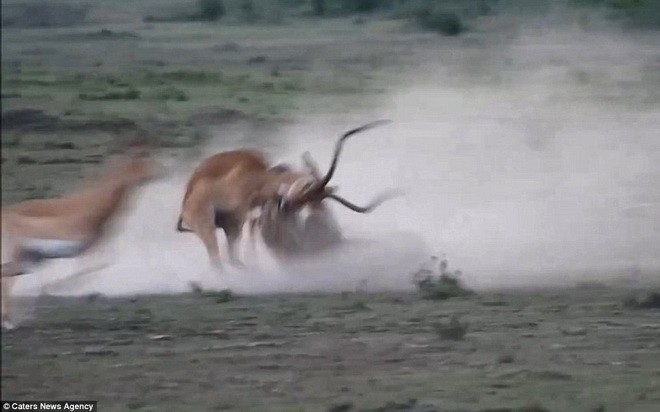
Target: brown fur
(225,187)
(221,192)
(81,216)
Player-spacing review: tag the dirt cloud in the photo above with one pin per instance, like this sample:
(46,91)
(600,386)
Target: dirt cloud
(525,162)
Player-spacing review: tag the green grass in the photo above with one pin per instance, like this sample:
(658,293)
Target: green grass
(170,80)
(309,352)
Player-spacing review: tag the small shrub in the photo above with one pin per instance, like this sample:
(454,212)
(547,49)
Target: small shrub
(26,160)
(650,301)
(365,6)
(188,76)
(62,160)
(10,141)
(318,7)
(196,288)
(446,23)
(440,284)
(506,358)
(357,306)
(222,296)
(454,330)
(341,407)
(248,12)
(128,94)
(625,4)
(60,145)
(211,10)
(171,93)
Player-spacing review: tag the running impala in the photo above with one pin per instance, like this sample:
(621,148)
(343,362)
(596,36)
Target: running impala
(71,225)
(227,186)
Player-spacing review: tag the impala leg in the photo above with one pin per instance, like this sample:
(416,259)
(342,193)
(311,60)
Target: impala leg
(7,284)
(200,219)
(205,230)
(86,265)
(252,234)
(9,272)
(233,232)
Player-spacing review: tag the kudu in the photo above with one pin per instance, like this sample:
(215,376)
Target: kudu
(227,186)
(71,225)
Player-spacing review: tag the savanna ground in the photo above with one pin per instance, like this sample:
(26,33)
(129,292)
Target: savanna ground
(576,349)
(78,75)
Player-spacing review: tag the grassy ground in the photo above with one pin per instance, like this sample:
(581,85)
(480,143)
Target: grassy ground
(576,349)
(68,93)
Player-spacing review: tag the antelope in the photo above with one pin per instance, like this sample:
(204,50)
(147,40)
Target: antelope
(227,186)
(71,225)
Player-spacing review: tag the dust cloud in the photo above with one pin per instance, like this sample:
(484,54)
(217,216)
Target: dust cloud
(526,162)
(537,163)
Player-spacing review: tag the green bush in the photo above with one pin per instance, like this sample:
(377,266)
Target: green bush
(128,94)
(365,6)
(440,284)
(171,93)
(444,22)
(211,10)
(650,301)
(318,7)
(454,330)
(644,14)
(248,11)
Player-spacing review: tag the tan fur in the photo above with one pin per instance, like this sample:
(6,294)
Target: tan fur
(232,183)
(228,185)
(82,216)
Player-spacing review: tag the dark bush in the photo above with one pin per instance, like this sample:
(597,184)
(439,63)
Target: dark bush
(170,93)
(128,94)
(211,10)
(446,23)
(365,6)
(650,301)
(318,7)
(454,330)
(248,12)
(439,283)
